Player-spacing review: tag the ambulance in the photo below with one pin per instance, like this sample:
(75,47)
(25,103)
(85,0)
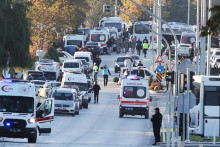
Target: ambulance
(50,69)
(77,80)
(134,97)
(18,115)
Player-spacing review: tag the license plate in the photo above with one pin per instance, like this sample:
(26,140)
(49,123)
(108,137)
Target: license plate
(129,109)
(14,130)
(61,108)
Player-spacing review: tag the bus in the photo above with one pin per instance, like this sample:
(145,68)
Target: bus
(140,32)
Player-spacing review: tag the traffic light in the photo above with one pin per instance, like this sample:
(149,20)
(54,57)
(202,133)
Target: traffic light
(106,8)
(183,82)
(170,77)
(191,80)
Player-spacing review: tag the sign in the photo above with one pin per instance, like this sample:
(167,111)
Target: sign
(160,69)
(182,59)
(159,77)
(172,66)
(87,24)
(159,59)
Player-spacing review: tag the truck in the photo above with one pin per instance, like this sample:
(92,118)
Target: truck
(50,68)
(205,115)
(19,117)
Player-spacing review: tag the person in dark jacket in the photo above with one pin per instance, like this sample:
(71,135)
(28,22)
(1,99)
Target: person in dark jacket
(145,40)
(96,89)
(140,64)
(97,60)
(139,46)
(156,121)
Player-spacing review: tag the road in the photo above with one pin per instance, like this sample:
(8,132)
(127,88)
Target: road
(99,125)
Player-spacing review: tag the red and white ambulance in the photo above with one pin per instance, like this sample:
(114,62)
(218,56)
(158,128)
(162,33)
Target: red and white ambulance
(134,97)
(18,115)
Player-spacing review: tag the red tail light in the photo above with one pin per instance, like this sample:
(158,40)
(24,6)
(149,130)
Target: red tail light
(148,100)
(120,99)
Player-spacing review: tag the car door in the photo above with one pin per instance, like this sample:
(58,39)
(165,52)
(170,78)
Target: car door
(45,116)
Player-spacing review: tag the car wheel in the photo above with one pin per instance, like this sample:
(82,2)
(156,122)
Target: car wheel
(89,100)
(86,106)
(73,114)
(120,114)
(147,115)
(116,70)
(32,140)
(77,112)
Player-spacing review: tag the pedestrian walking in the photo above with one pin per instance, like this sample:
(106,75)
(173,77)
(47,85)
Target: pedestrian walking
(139,47)
(95,72)
(145,48)
(133,43)
(109,45)
(96,89)
(156,122)
(106,72)
(97,60)
(118,46)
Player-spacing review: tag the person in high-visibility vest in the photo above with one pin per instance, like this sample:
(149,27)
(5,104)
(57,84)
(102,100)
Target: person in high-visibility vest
(95,72)
(145,47)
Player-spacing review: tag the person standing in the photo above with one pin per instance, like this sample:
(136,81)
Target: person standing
(126,44)
(96,89)
(145,48)
(109,45)
(15,76)
(118,46)
(139,47)
(95,72)
(156,121)
(145,40)
(106,72)
(140,64)
(133,42)
(97,60)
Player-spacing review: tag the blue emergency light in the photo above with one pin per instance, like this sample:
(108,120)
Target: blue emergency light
(7,80)
(8,124)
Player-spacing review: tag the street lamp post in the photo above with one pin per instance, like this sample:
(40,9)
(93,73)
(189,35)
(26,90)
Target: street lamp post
(209,43)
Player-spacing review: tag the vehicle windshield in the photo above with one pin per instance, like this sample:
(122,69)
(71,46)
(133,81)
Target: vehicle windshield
(188,39)
(36,77)
(71,65)
(63,96)
(84,62)
(218,60)
(38,82)
(217,53)
(55,84)
(116,25)
(214,42)
(75,42)
(135,57)
(140,29)
(98,37)
(81,86)
(16,104)
(122,59)
(134,92)
(212,96)
(86,58)
(50,75)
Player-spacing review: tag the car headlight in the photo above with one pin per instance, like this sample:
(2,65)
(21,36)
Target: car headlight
(1,119)
(31,120)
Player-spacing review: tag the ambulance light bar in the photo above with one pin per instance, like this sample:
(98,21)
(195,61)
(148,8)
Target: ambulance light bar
(133,77)
(14,81)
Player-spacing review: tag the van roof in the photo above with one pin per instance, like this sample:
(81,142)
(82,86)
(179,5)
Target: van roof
(72,77)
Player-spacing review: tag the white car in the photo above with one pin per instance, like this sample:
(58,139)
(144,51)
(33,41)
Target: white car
(73,65)
(63,55)
(184,50)
(47,87)
(216,53)
(38,84)
(215,62)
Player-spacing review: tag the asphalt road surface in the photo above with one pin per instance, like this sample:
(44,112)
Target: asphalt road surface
(99,125)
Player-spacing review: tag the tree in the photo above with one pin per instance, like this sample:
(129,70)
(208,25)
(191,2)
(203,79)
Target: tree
(50,18)
(213,24)
(15,34)
(95,12)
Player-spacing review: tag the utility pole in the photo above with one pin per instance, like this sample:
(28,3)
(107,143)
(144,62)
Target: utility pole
(209,43)
(197,38)
(116,6)
(188,12)
(159,30)
(203,41)
(154,29)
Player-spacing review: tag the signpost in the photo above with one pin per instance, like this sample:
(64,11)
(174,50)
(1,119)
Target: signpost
(159,59)
(160,69)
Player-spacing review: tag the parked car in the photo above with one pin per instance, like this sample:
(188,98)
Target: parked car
(47,87)
(73,65)
(120,62)
(63,55)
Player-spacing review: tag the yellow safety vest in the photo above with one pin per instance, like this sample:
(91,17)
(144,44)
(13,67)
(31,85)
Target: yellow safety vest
(162,46)
(95,68)
(145,46)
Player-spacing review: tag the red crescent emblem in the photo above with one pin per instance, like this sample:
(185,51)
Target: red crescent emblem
(6,90)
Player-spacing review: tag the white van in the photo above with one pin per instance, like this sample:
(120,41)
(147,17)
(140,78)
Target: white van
(78,40)
(77,80)
(50,68)
(73,65)
(87,56)
(134,97)
(18,115)
(205,115)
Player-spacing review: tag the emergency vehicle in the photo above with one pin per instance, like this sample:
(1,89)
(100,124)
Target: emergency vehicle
(205,115)
(100,36)
(111,22)
(134,97)
(140,32)
(18,115)
(50,68)
(77,80)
